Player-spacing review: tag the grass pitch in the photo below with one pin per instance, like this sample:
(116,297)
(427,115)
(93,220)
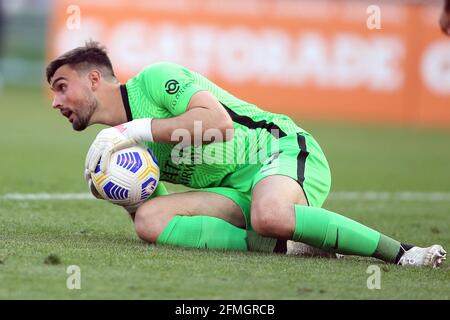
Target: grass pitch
(39,239)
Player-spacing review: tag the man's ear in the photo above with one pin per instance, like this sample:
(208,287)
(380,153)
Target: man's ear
(94,77)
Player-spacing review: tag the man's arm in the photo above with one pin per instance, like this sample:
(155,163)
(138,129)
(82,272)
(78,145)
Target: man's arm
(203,110)
(444,21)
(189,103)
(195,111)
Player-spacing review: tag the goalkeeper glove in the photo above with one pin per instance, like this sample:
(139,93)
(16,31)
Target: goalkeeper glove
(117,138)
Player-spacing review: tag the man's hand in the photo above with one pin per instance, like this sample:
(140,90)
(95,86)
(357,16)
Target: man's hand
(117,138)
(444,21)
(105,144)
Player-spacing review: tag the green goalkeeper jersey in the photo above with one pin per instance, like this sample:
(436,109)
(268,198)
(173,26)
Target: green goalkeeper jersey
(163,90)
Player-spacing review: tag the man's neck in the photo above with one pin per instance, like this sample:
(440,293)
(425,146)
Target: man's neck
(111,109)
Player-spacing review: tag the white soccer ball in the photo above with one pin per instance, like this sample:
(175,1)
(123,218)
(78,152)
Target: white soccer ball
(130,178)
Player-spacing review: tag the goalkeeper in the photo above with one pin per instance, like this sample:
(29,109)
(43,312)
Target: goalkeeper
(252,170)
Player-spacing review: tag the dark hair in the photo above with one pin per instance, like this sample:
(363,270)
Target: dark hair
(92,54)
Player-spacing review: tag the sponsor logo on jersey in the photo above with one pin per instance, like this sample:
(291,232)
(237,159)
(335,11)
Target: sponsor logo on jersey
(172,86)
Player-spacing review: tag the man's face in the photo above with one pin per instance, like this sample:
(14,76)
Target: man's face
(73,96)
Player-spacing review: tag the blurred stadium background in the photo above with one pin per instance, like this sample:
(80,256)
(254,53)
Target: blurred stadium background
(377,101)
(315,58)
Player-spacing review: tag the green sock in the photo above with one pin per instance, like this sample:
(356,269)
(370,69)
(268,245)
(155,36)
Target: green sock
(212,233)
(330,231)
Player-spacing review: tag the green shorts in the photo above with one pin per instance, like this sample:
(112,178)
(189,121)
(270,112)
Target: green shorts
(298,156)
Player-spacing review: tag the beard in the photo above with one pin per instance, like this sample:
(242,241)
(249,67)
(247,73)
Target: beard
(83,117)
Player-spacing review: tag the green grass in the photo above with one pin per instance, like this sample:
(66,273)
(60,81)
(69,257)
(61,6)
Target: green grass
(41,153)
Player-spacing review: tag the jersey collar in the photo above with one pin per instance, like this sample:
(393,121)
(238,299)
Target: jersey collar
(126,103)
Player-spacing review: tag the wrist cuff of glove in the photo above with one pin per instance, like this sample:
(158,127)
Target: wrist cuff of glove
(139,129)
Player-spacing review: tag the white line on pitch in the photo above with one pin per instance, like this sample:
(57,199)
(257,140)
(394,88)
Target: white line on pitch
(47,196)
(339,195)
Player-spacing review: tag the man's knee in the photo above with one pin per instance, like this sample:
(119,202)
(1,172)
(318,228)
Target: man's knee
(267,215)
(147,223)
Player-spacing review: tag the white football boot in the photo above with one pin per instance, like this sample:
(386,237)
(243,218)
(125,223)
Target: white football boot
(424,257)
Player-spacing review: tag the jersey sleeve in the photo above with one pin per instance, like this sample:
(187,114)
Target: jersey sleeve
(170,86)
